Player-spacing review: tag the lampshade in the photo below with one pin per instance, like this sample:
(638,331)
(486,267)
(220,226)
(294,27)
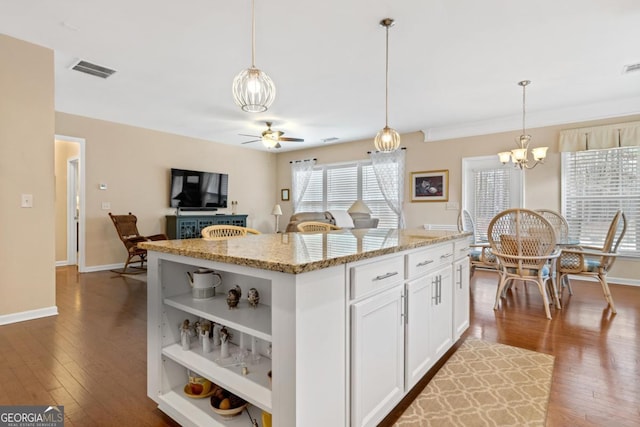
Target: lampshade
(359,207)
(276,210)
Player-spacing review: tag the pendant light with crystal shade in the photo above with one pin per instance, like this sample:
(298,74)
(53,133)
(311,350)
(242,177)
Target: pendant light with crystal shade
(519,156)
(387,140)
(253,90)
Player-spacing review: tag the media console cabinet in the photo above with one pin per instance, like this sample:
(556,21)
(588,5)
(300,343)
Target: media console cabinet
(189,226)
(348,322)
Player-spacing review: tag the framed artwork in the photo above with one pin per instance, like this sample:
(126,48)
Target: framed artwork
(284,194)
(430,186)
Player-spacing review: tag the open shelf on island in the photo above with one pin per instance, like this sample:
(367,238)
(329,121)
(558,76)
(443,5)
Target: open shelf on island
(253,321)
(253,387)
(178,406)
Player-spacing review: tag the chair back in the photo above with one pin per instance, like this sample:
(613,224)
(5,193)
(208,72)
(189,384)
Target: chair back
(316,226)
(127,228)
(521,239)
(559,223)
(224,232)
(617,230)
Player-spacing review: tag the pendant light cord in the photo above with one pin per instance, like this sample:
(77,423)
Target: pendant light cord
(253,33)
(386,84)
(524,91)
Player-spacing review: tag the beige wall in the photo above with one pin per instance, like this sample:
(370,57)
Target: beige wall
(135,164)
(64,150)
(27,253)
(542,184)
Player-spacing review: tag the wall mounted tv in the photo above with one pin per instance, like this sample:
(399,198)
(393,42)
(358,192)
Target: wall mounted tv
(195,190)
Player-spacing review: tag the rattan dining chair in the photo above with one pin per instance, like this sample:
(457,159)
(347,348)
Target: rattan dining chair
(591,261)
(480,255)
(316,226)
(524,243)
(224,232)
(561,227)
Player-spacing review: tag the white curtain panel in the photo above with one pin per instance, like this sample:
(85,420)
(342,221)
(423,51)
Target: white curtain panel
(389,171)
(300,176)
(600,137)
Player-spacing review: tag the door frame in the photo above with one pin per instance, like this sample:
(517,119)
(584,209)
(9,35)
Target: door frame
(81,261)
(73,176)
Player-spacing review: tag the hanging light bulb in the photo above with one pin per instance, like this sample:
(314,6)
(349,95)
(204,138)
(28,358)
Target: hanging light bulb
(387,140)
(253,90)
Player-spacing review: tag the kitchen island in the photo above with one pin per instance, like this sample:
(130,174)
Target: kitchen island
(348,321)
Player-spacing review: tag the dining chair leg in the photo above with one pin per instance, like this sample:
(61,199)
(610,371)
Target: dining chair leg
(545,300)
(500,290)
(607,292)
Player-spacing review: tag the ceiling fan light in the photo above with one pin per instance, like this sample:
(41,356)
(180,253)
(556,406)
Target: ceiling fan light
(253,90)
(269,142)
(387,140)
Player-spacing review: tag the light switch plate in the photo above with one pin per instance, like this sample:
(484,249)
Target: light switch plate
(26,201)
(106,206)
(453,206)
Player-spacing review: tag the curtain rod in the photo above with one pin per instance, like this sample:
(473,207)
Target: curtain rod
(401,148)
(300,161)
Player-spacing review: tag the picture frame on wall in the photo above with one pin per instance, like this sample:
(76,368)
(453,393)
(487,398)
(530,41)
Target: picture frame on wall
(284,194)
(430,186)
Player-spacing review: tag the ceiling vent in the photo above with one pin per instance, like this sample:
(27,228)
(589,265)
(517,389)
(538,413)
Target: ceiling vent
(93,69)
(631,68)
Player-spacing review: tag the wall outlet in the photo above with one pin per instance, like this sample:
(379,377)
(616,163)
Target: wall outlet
(106,206)
(26,201)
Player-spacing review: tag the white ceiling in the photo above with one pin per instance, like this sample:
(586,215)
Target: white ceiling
(454,64)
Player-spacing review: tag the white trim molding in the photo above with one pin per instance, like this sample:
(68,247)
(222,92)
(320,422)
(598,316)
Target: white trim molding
(28,315)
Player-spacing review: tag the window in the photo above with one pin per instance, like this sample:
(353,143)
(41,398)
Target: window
(489,188)
(337,186)
(597,183)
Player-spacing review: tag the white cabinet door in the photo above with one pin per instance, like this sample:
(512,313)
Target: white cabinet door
(460,297)
(377,356)
(441,330)
(419,355)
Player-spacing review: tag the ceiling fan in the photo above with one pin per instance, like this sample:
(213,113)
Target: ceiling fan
(271,138)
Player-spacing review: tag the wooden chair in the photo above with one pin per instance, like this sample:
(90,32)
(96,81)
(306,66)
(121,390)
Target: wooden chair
(524,243)
(480,255)
(561,227)
(127,228)
(591,261)
(316,226)
(224,232)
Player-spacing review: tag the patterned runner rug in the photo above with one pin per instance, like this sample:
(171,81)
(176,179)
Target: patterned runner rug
(485,384)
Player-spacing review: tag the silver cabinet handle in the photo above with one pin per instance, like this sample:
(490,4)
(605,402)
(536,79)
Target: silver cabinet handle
(460,271)
(423,263)
(434,292)
(446,256)
(384,276)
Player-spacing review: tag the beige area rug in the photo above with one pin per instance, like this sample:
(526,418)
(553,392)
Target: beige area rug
(485,384)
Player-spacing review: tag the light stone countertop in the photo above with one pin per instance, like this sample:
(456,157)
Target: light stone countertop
(302,252)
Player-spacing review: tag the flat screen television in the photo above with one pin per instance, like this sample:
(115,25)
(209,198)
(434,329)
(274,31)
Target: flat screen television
(196,190)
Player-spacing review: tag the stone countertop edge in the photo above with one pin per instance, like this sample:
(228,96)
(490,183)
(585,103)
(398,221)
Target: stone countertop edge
(418,241)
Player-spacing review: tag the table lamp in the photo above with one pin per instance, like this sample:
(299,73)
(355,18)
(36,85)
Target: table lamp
(277,211)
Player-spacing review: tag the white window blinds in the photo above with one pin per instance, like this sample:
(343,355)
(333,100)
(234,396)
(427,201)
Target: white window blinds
(597,183)
(338,186)
(492,191)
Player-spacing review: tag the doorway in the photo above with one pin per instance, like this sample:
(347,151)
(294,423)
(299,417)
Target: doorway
(70,230)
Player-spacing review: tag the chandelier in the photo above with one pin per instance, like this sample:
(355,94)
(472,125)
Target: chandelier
(387,140)
(520,155)
(253,90)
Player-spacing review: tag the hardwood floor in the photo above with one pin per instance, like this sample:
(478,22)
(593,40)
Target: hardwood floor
(91,358)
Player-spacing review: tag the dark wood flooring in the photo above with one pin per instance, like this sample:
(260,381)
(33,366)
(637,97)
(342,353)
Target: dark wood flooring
(91,358)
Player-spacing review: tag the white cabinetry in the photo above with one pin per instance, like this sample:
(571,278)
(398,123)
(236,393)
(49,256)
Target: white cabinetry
(429,301)
(461,288)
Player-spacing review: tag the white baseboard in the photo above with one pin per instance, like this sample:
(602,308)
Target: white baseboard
(28,315)
(95,268)
(610,280)
(62,263)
